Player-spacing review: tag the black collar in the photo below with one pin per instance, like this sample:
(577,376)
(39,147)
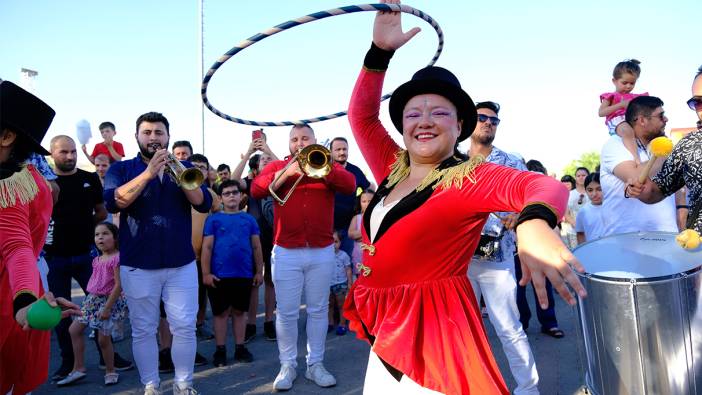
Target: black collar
(406,205)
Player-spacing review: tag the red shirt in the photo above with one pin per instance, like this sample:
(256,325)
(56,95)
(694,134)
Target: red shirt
(101,148)
(307,219)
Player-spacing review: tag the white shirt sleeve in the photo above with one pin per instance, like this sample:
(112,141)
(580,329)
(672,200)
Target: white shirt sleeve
(614,153)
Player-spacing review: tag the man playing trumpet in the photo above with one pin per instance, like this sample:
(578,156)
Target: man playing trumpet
(157,259)
(303,253)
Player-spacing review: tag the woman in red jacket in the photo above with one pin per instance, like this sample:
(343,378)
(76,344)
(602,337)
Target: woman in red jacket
(413,300)
(25,209)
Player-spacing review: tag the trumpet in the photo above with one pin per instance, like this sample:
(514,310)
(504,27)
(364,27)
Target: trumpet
(315,161)
(186,178)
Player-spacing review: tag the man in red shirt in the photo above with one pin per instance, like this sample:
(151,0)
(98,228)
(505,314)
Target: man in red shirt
(303,255)
(113,149)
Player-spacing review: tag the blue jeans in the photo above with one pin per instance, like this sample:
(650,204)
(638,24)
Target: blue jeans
(547,317)
(61,270)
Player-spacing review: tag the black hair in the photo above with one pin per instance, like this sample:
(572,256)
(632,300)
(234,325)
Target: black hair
(222,167)
(594,176)
(699,72)
(490,105)
(107,124)
(357,206)
(200,158)
(254,160)
(630,66)
(536,166)
(570,179)
(228,184)
(582,168)
(152,117)
(21,150)
(113,229)
(642,106)
(183,143)
(331,144)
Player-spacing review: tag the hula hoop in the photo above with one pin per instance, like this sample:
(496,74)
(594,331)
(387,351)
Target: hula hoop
(297,22)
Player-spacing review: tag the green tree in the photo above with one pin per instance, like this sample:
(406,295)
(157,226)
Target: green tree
(589,160)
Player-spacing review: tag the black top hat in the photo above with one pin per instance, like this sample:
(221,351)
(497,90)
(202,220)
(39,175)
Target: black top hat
(24,113)
(439,81)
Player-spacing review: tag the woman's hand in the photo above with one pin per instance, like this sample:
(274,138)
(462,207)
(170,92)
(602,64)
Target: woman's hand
(387,29)
(543,254)
(68,309)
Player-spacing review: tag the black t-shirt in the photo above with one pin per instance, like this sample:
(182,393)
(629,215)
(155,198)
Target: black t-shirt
(71,230)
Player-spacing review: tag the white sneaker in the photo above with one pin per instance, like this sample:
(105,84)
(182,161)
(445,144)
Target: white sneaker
(285,378)
(183,388)
(151,389)
(320,375)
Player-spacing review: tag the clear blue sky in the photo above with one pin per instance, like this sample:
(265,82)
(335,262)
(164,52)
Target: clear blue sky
(545,62)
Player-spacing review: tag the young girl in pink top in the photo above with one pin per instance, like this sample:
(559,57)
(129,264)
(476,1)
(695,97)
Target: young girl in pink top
(613,104)
(103,306)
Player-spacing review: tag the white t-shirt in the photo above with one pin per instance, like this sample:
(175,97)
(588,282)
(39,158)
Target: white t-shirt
(622,215)
(589,221)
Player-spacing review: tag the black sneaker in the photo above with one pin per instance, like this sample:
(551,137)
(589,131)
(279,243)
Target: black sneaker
(219,358)
(250,333)
(200,360)
(62,372)
(242,354)
(165,362)
(269,330)
(121,364)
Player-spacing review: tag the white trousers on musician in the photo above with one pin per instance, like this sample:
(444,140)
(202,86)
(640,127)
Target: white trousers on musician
(295,269)
(380,382)
(145,289)
(498,286)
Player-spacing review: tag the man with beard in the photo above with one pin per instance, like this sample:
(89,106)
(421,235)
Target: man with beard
(345,205)
(69,240)
(157,261)
(491,272)
(620,214)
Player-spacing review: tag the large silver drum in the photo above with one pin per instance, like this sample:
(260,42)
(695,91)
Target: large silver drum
(642,320)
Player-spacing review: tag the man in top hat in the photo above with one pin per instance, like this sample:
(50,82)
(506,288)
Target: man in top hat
(25,208)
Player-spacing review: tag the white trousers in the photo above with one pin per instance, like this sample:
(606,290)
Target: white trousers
(380,382)
(295,269)
(496,282)
(144,290)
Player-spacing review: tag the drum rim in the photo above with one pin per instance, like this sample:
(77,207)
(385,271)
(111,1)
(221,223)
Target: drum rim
(641,280)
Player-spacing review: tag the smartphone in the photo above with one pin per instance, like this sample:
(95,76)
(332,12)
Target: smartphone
(257,134)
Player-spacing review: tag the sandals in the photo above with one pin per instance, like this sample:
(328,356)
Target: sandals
(111,378)
(72,377)
(553,332)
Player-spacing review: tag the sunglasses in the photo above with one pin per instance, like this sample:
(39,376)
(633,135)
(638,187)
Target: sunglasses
(695,103)
(229,193)
(494,121)
(580,201)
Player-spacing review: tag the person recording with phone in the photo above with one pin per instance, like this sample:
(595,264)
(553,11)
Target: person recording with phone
(154,193)
(257,157)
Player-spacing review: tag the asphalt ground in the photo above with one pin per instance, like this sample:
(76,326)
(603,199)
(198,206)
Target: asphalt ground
(557,360)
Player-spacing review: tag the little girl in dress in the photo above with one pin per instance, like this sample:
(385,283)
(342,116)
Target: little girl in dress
(102,308)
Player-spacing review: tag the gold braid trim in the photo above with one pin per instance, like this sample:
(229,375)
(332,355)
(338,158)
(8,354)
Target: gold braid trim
(445,178)
(20,184)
